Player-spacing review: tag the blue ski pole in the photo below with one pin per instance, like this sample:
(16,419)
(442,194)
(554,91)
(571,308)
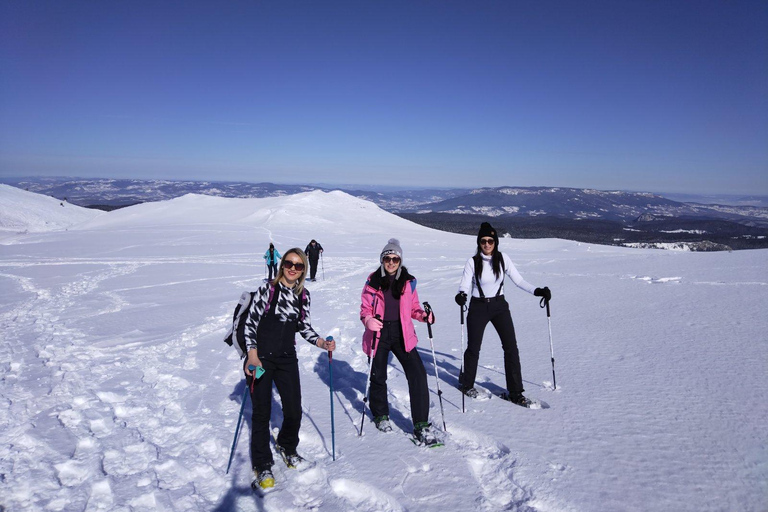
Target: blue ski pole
(330,371)
(240,417)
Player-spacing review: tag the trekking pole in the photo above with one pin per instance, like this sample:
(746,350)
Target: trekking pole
(545,303)
(370,367)
(322,265)
(330,371)
(428,311)
(461,371)
(239,419)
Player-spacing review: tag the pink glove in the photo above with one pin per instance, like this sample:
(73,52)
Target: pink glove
(373,324)
(429,318)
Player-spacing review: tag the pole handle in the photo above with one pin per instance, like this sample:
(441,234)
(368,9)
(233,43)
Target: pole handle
(428,311)
(544,303)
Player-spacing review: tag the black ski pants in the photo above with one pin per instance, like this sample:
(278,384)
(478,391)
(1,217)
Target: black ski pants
(272,270)
(391,340)
(496,311)
(313,267)
(284,373)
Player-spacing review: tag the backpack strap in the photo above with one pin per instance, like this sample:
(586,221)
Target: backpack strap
(269,299)
(302,301)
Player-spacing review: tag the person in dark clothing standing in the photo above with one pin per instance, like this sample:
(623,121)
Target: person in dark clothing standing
(279,310)
(313,251)
(272,257)
(483,279)
(389,304)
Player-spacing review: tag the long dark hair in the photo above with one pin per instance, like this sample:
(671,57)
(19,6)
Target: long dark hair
(398,283)
(495,262)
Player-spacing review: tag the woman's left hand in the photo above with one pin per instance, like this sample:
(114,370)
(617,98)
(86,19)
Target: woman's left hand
(429,317)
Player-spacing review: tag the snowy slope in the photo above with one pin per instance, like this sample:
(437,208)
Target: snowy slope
(118,393)
(27,211)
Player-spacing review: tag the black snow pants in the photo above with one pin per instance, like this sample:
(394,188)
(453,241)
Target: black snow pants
(277,352)
(284,373)
(313,267)
(496,311)
(391,340)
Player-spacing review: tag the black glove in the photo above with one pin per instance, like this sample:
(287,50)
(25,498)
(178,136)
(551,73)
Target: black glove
(543,292)
(461,298)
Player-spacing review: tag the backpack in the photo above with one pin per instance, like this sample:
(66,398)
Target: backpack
(237,329)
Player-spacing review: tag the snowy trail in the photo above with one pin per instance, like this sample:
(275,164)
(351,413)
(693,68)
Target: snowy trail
(118,393)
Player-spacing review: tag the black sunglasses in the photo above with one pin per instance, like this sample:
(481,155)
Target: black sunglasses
(487,241)
(390,259)
(289,265)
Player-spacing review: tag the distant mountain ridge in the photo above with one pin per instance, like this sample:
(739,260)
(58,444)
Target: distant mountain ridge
(589,215)
(124,192)
(571,203)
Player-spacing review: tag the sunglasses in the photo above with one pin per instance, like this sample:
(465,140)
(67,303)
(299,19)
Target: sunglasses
(390,259)
(289,265)
(487,241)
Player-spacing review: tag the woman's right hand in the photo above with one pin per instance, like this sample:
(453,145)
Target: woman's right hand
(253,360)
(373,324)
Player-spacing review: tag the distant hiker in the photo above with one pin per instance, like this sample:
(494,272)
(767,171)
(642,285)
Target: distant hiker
(389,303)
(278,311)
(483,279)
(272,257)
(313,250)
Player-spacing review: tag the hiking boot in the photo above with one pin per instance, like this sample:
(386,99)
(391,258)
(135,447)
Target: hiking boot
(517,399)
(470,392)
(425,435)
(292,460)
(382,423)
(264,479)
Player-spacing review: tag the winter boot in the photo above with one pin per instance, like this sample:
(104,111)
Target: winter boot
(382,423)
(425,435)
(292,460)
(517,399)
(263,479)
(470,392)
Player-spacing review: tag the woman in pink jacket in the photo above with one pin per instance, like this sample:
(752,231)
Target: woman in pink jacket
(389,303)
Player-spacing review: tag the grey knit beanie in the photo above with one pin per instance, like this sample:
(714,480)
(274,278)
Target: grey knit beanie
(392,247)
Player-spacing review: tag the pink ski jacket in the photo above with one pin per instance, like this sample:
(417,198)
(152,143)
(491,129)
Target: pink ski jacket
(372,304)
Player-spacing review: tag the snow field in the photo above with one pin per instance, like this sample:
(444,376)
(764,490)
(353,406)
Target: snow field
(119,394)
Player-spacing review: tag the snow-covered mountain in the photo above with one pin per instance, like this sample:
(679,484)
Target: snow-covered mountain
(118,393)
(122,192)
(571,203)
(556,202)
(26,211)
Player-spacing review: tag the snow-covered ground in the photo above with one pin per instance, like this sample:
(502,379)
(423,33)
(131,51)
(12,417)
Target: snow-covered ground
(30,212)
(119,394)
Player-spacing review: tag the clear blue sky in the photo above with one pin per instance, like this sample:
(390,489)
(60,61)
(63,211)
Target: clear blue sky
(648,95)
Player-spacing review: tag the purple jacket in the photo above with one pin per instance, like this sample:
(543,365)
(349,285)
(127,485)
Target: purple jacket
(372,303)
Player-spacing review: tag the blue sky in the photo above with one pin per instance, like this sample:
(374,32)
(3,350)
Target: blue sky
(663,96)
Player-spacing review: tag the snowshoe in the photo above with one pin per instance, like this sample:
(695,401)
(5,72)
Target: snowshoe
(518,399)
(263,479)
(382,423)
(292,460)
(477,394)
(425,435)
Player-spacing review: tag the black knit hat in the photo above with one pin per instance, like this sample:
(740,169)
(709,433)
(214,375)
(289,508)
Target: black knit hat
(487,230)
